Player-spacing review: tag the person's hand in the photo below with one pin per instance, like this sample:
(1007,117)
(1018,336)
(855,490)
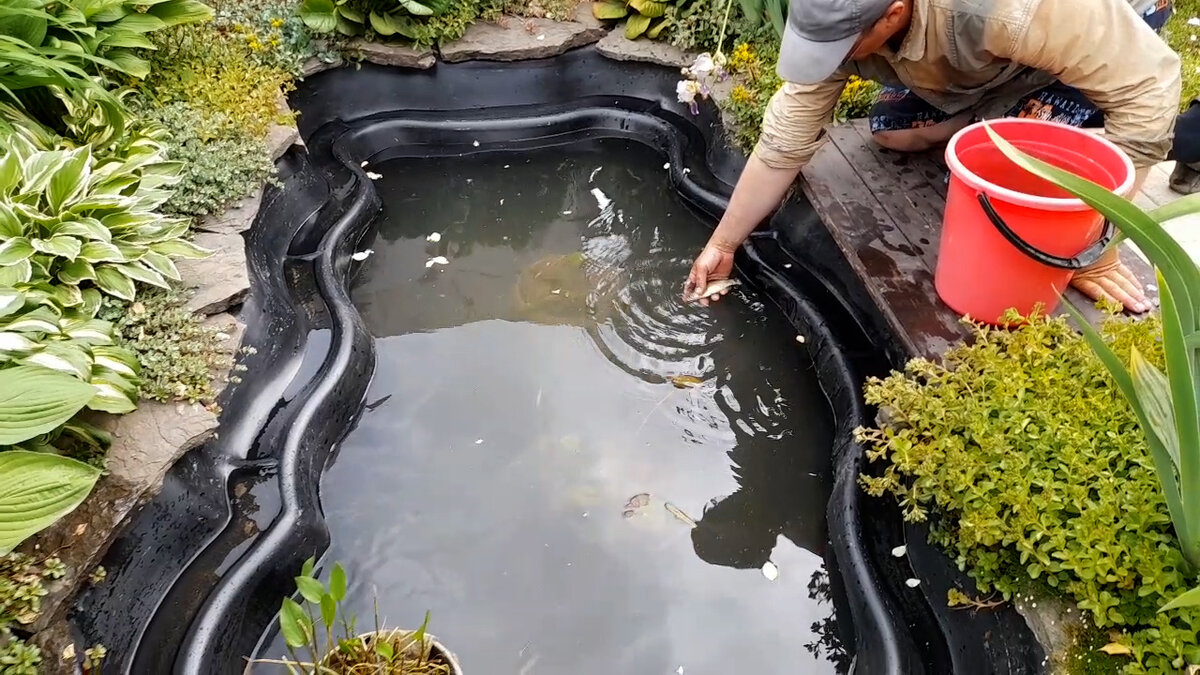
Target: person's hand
(715,262)
(1110,279)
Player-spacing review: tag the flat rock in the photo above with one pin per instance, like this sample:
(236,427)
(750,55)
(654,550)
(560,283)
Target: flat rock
(219,281)
(280,138)
(616,47)
(515,39)
(149,440)
(1053,622)
(316,65)
(400,56)
(229,332)
(236,218)
(60,654)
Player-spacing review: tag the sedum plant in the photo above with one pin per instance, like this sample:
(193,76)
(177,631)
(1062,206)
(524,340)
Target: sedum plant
(37,488)
(1167,405)
(642,17)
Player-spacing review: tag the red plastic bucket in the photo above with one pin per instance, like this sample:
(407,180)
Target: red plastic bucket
(1011,240)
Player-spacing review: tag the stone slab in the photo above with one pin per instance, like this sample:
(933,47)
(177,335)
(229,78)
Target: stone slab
(145,444)
(391,55)
(516,39)
(316,65)
(60,654)
(236,217)
(616,47)
(219,281)
(280,138)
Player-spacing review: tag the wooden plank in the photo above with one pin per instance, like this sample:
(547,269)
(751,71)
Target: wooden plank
(904,189)
(880,254)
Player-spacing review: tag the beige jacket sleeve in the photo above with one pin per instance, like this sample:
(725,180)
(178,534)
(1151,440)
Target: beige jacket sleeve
(794,122)
(1109,53)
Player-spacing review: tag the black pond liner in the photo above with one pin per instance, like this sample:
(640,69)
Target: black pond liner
(195,582)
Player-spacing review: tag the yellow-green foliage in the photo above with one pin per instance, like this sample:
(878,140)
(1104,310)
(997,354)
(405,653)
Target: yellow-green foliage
(1033,473)
(758,82)
(273,30)
(217,73)
(1185,39)
(22,586)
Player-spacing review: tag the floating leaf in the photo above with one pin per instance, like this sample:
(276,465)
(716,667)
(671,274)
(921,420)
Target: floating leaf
(686,381)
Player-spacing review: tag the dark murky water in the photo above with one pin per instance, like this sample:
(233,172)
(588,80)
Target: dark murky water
(523,438)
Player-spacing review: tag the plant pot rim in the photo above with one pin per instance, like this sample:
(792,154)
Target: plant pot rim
(435,646)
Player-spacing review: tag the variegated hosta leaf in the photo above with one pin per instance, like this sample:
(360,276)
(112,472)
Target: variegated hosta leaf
(39,168)
(161,264)
(60,245)
(41,319)
(114,394)
(99,251)
(15,344)
(119,360)
(181,248)
(75,272)
(114,282)
(64,357)
(11,300)
(19,273)
(85,228)
(91,302)
(10,226)
(15,250)
(139,272)
(87,331)
(69,180)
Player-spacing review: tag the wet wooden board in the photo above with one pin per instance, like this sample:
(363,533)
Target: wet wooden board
(884,209)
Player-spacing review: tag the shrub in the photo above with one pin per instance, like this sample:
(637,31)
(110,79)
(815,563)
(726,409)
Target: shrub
(22,586)
(422,23)
(177,351)
(220,163)
(642,17)
(1038,477)
(217,74)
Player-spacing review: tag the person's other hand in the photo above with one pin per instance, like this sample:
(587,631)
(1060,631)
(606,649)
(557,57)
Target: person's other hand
(714,263)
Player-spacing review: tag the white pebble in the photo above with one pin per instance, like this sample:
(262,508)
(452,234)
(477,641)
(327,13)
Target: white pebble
(440,260)
(362,255)
(899,551)
(770,571)
(506,166)
(787,266)
(913,583)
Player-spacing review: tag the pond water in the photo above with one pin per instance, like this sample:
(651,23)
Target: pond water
(526,469)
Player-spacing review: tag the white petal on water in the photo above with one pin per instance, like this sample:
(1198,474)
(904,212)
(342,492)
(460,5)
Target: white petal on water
(374,176)
(479,442)
(800,339)
(770,571)
(440,260)
(679,670)
(913,583)
(475,143)
(501,201)
(594,172)
(899,551)
(363,164)
(601,198)
(362,255)
(566,213)
(667,165)
(435,237)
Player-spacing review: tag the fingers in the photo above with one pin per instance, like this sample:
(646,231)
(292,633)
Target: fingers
(1115,286)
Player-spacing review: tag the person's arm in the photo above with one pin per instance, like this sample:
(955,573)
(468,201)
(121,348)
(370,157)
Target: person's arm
(792,131)
(1133,77)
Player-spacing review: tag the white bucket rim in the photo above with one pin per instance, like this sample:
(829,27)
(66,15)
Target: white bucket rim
(1020,198)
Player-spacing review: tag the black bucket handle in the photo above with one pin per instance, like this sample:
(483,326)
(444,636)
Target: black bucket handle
(1087,257)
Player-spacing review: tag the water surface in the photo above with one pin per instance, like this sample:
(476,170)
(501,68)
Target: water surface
(523,437)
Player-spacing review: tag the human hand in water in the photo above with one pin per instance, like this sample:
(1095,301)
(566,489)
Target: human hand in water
(714,263)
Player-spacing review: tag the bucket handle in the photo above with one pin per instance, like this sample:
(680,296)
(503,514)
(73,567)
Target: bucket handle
(1087,257)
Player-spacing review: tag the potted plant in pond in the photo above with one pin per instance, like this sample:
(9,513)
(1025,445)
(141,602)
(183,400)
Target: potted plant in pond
(344,651)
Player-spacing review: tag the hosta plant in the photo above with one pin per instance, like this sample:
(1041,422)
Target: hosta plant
(642,17)
(37,488)
(383,17)
(36,330)
(758,12)
(69,222)
(1167,405)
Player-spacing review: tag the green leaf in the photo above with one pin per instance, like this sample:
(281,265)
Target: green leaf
(15,250)
(161,264)
(139,272)
(63,357)
(27,26)
(59,245)
(306,569)
(15,343)
(127,39)
(111,398)
(19,273)
(36,489)
(10,225)
(90,331)
(101,251)
(385,650)
(91,301)
(178,12)
(140,23)
(1182,370)
(85,228)
(337,582)
(310,589)
(609,10)
(635,26)
(292,624)
(384,24)
(351,14)
(418,638)
(35,401)
(76,271)
(319,15)
(117,359)
(415,8)
(113,281)
(658,28)
(180,248)
(10,301)
(328,610)
(39,320)
(69,181)
(1186,599)
(126,62)
(649,8)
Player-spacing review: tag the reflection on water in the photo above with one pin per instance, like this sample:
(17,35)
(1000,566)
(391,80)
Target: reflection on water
(526,469)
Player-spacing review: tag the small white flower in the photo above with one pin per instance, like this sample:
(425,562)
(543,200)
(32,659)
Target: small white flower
(435,238)
(913,583)
(703,65)
(686,91)
(362,255)
(440,260)
(899,551)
